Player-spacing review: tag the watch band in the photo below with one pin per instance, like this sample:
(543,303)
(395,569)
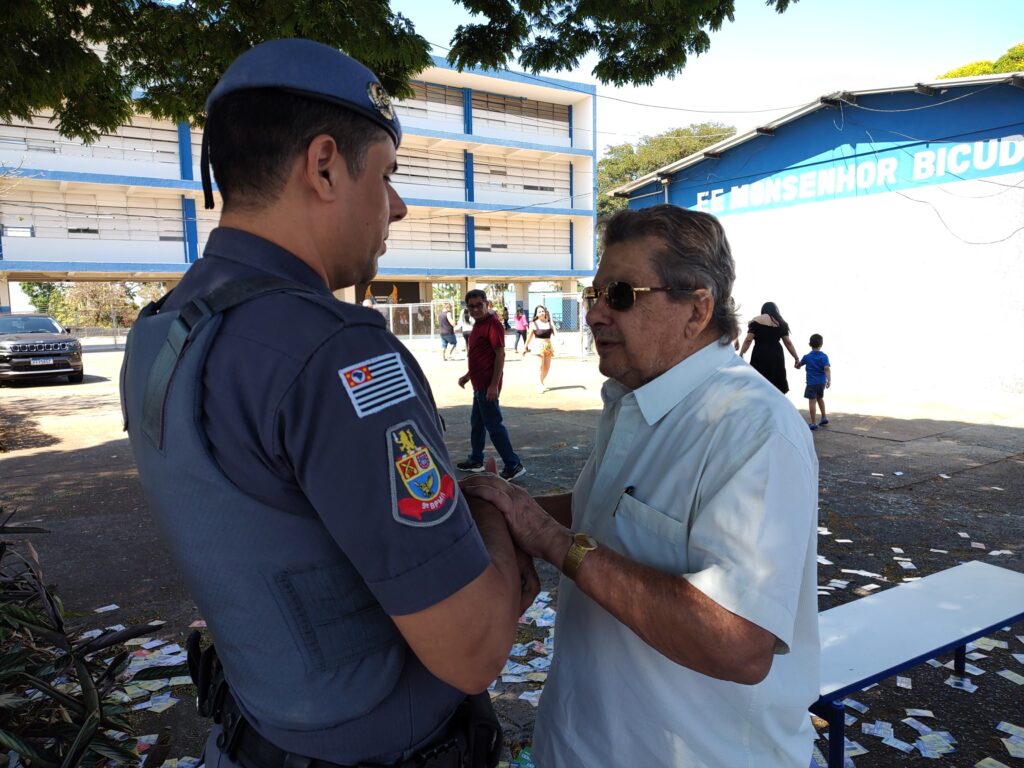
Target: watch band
(582,543)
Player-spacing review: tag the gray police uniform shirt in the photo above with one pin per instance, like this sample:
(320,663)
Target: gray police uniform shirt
(303,411)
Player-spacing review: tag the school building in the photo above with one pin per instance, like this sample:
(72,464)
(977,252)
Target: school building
(498,170)
(891,221)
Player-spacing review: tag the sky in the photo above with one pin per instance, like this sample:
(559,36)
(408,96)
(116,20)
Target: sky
(778,62)
(767,61)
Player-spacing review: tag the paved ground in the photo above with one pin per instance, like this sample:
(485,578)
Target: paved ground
(65,463)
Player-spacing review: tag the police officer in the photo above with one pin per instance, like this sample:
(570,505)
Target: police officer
(291,451)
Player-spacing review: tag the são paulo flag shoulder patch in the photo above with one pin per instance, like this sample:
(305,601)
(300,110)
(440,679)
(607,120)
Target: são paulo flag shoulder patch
(422,493)
(375,384)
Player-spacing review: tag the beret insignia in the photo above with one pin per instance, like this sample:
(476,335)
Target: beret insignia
(381,100)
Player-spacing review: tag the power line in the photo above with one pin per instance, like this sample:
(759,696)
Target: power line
(547,82)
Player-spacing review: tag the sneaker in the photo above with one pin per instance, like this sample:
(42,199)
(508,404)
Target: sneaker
(511,473)
(471,466)
(813,426)
(823,422)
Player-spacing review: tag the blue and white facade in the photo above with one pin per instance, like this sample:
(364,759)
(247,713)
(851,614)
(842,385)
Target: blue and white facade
(891,221)
(498,170)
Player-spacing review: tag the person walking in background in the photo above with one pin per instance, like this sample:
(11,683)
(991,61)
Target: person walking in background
(521,325)
(504,318)
(465,326)
(819,378)
(543,329)
(447,331)
(768,332)
(486,364)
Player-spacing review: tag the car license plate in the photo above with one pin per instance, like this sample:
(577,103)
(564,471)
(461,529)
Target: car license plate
(41,361)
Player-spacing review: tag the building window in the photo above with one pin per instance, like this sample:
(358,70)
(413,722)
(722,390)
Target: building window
(522,236)
(515,114)
(426,233)
(548,179)
(145,140)
(438,103)
(72,215)
(430,168)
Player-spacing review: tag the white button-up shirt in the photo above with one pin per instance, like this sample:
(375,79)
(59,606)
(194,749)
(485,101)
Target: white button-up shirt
(707,472)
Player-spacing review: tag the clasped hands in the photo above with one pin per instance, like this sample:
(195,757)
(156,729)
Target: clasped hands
(534,532)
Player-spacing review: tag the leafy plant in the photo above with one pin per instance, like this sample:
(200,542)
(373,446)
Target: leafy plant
(61,687)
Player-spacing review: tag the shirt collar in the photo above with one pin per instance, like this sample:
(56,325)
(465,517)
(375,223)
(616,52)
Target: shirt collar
(253,251)
(661,395)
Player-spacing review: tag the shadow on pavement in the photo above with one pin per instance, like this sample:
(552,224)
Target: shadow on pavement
(884,483)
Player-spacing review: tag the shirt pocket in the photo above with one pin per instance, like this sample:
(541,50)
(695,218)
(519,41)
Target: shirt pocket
(649,536)
(333,615)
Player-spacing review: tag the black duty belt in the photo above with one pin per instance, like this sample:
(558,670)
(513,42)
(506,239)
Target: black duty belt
(243,744)
(472,738)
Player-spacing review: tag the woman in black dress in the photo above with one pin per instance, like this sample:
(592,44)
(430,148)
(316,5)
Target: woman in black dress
(768,332)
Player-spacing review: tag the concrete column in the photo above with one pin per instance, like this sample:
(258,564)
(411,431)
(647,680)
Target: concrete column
(522,293)
(426,292)
(5,294)
(347,294)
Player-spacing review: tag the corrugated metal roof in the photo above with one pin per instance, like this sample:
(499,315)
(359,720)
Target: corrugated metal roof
(846,97)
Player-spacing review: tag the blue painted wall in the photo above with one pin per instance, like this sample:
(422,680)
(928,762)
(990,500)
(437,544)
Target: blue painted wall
(886,143)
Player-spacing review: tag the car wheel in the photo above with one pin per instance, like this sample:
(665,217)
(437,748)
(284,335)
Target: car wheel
(76,378)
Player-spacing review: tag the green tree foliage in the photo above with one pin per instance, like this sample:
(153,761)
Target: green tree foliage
(99,305)
(451,292)
(1011,61)
(83,61)
(624,163)
(96,305)
(144,293)
(973,69)
(636,42)
(42,296)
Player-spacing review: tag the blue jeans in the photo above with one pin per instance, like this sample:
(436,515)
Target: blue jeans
(487,415)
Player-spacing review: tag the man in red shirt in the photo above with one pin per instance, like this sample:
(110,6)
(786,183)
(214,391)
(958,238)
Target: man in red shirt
(486,360)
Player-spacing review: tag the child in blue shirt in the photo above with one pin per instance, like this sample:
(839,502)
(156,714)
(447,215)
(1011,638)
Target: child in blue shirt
(819,378)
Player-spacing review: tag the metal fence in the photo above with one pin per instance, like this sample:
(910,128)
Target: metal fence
(412,321)
(108,324)
(94,324)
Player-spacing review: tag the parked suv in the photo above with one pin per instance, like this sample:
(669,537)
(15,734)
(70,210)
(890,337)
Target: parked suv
(37,346)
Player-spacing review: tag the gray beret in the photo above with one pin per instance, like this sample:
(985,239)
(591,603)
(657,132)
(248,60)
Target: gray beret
(310,69)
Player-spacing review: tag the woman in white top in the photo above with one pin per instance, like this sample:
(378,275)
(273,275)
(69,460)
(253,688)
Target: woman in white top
(465,326)
(544,330)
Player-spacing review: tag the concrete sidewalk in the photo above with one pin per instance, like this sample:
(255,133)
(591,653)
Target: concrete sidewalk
(68,467)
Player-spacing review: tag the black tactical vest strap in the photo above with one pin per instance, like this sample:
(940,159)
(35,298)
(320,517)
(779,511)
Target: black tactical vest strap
(190,320)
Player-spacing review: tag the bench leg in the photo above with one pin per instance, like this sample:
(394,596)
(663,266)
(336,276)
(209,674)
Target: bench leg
(835,715)
(836,734)
(960,661)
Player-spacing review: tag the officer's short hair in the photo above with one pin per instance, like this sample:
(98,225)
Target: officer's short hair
(256,134)
(476,293)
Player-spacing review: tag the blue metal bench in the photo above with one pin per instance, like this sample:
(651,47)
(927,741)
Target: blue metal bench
(875,637)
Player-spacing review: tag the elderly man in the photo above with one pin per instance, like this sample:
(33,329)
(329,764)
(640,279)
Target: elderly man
(687,628)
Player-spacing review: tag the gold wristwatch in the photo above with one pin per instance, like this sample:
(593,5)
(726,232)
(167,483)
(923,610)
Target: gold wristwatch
(582,543)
